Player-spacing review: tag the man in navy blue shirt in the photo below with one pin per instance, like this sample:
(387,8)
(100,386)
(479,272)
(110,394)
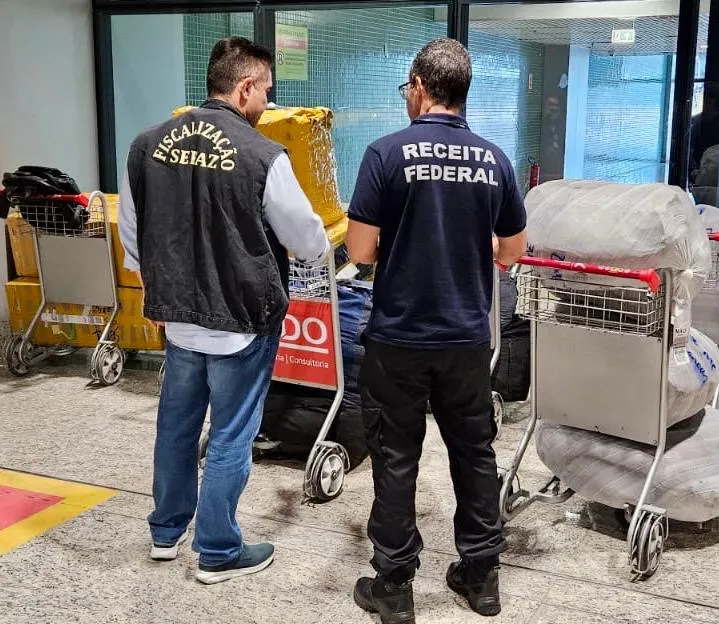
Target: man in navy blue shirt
(427,202)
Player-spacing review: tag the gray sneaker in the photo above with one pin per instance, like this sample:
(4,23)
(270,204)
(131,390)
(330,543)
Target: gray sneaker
(253,558)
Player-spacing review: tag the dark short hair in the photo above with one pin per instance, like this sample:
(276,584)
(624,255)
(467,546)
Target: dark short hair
(445,67)
(233,59)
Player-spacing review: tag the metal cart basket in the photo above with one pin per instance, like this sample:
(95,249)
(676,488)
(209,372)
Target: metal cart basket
(595,328)
(75,266)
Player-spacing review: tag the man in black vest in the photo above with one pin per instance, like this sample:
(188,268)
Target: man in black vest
(207,211)
(427,201)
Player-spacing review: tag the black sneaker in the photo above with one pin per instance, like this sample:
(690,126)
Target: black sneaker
(394,603)
(253,558)
(479,587)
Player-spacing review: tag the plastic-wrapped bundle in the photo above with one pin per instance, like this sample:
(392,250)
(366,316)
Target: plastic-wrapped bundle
(709,216)
(307,135)
(692,384)
(649,226)
(705,307)
(612,471)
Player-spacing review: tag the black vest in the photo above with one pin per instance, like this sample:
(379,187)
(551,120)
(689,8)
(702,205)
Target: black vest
(206,255)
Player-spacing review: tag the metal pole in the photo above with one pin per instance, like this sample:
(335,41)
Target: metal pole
(684,92)
(105,101)
(458,26)
(264,24)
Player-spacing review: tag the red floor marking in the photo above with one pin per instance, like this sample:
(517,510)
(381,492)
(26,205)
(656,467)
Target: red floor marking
(16,505)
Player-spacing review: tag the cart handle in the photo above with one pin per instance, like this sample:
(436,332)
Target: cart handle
(714,236)
(78,199)
(649,276)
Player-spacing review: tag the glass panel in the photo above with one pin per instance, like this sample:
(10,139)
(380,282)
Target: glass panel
(356,60)
(704,155)
(550,85)
(160,63)
(201,33)
(505,99)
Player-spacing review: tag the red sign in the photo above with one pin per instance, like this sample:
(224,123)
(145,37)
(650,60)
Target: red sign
(306,354)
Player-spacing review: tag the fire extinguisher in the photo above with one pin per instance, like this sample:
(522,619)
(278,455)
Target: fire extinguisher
(533,173)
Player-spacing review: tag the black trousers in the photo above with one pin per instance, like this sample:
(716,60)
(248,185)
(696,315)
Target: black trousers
(396,385)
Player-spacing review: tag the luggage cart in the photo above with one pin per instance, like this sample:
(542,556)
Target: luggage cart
(75,266)
(310,354)
(589,334)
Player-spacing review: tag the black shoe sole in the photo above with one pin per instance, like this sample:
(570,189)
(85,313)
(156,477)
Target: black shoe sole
(486,611)
(393,618)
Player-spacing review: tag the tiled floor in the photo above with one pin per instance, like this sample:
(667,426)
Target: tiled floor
(94,568)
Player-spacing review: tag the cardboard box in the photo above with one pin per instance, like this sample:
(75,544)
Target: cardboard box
(21,246)
(131,331)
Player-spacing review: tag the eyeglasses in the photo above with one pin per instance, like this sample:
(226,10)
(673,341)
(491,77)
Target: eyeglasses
(404,90)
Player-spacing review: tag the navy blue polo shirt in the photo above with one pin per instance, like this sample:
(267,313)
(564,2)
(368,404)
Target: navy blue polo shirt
(437,191)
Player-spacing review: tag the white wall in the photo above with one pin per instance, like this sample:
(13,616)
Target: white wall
(47,92)
(148,73)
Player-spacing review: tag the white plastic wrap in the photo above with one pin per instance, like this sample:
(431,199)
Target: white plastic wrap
(612,471)
(709,216)
(705,306)
(708,174)
(648,226)
(703,356)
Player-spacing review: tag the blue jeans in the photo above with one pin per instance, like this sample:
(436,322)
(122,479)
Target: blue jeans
(235,387)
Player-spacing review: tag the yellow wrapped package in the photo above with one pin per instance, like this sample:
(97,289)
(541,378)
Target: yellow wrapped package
(131,331)
(306,133)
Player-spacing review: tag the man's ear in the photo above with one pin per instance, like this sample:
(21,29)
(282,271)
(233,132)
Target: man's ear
(244,87)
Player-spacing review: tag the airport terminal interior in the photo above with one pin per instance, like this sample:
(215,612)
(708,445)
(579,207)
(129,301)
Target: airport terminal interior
(605,378)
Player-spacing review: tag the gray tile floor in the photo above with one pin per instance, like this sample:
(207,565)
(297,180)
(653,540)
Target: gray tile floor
(565,564)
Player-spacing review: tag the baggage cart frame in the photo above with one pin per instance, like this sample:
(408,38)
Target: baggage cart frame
(310,354)
(621,320)
(314,306)
(75,266)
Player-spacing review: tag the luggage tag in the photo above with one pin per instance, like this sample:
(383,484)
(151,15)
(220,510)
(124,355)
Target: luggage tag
(681,326)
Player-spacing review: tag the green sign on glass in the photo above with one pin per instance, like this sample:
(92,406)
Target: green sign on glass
(291,57)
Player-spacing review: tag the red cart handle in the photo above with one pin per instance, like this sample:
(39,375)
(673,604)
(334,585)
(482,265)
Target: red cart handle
(78,199)
(714,236)
(649,276)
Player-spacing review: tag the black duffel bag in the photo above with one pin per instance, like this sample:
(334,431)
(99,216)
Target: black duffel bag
(511,376)
(34,190)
